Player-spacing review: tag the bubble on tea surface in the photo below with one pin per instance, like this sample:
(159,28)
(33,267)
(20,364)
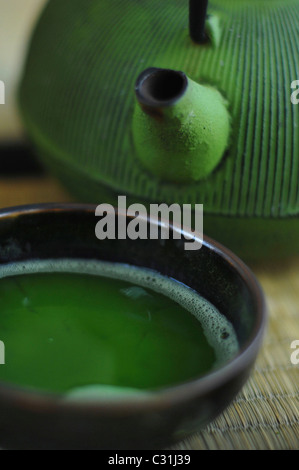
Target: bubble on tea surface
(104,392)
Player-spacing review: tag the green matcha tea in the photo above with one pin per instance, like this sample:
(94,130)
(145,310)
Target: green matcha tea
(87,328)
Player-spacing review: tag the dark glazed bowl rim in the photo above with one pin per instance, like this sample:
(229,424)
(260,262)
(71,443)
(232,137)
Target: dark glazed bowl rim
(168,396)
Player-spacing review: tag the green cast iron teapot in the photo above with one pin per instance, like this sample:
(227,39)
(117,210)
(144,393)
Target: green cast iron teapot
(128,97)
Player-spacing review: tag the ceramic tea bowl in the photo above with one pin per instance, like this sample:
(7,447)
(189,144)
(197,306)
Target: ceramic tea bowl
(35,420)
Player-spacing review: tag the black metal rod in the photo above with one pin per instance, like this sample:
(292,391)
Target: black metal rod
(197,20)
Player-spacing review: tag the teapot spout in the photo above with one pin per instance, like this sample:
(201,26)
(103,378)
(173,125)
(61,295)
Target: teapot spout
(157,89)
(180,128)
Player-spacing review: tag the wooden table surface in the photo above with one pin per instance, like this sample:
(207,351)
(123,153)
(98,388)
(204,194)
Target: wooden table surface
(265,415)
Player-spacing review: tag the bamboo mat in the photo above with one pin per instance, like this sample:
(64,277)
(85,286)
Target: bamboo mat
(265,415)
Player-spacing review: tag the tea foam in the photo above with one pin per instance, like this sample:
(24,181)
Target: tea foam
(219,332)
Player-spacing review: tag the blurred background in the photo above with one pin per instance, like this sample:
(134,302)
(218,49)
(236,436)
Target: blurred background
(16,21)
(21,177)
